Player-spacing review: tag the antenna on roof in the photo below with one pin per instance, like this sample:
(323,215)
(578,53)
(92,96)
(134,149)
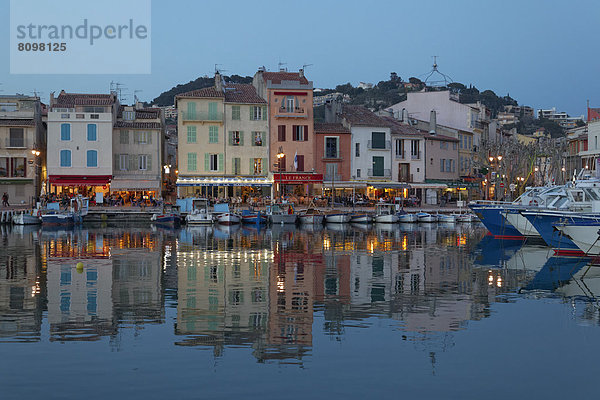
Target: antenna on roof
(36,93)
(116,88)
(306,65)
(135,92)
(280,66)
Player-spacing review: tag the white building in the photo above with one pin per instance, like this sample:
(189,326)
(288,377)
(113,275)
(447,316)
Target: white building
(408,152)
(80,138)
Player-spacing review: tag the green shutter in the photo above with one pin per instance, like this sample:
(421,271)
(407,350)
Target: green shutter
(149,137)
(212,111)
(241,138)
(264,113)
(230,138)
(132,163)
(251,169)
(149,162)
(265,163)
(115,162)
(221,162)
(252,140)
(251,108)
(206,162)
(191,110)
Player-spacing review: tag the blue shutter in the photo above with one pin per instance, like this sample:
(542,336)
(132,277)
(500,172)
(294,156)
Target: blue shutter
(65,132)
(92,132)
(92,158)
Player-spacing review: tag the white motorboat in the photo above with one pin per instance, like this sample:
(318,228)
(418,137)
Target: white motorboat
(311,216)
(465,217)
(337,218)
(228,219)
(281,214)
(24,218)
(200,214)
(426,217)
(446,218)
(407,218)
(584,234)
(521,223)
(385,214)
(361,218)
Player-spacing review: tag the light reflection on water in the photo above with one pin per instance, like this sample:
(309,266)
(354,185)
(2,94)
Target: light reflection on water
(275,292)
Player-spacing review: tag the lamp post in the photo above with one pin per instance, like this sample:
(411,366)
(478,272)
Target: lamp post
(280,155)
(495,160)
(36,153)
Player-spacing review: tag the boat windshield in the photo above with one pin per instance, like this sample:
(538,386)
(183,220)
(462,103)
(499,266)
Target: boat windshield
(591,194)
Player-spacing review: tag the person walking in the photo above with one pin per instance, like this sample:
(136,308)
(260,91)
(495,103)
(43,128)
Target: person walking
(5,200)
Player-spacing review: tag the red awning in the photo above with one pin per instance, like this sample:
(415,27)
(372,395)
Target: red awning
(297,178)
(80,180)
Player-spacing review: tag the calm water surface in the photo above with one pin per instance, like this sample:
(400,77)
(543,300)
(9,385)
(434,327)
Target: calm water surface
(336,312)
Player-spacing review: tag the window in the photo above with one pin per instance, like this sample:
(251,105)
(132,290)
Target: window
(65,116)
(92,134)
(357,150)
(191,162)
(281,133)
(18,167)
(214,162)
(236,165)
(454,146)
(289,104)
(65,158)
(213,134)
(414,148)
(142,137)
(281,164)
(4,164)
(236,138)
(65,131)
(93,109)
(124,137)
(80,116)
(378,140)
(123,161)
(358,173)
(191,134)
(400,148)
(442,164)
(17,137)
(256,113)
(128,115)
(331,147)
(299,163)
(460,139)
(94,116)
(143,162)
(257,138)
(448,165)
(8,107)
(258,166)
(92,158)
(212,111)
(470,143)
(235,113)
(300,133)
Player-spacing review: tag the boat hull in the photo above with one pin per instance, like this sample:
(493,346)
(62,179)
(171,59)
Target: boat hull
(408,218)
(386,219)
(313,219)
(26,219)
(337,218)
(283,218)
(58,219)
(228,219)
(361,219)
(584,235)
(166,219)
(199,219)
(521,223)
(492,218)
(544,223)
(448,219)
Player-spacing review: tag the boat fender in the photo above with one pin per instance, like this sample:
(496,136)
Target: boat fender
(533,202)
(39,213)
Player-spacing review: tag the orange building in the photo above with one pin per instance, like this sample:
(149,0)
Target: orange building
(290,100)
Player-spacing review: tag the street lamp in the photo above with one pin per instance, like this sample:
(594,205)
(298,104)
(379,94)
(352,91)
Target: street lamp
(280,155)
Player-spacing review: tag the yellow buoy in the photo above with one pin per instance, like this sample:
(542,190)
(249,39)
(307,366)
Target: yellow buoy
(79,267)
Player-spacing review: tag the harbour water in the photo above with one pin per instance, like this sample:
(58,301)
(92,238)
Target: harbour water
(414,311)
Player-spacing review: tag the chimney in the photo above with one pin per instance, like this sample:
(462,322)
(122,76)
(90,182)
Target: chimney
(301,73)
(218,82)
(405,116)
(432,123)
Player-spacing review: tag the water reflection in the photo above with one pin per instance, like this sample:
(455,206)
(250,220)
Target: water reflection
(272,289)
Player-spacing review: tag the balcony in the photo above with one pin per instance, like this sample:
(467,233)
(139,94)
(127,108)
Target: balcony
(15,143)
(287,112)
(388,145)
(202,116)
(332,177)
(385,173)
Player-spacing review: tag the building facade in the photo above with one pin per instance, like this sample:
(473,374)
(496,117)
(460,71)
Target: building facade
(138,150)
(80,140)
(22,148)
(332,154)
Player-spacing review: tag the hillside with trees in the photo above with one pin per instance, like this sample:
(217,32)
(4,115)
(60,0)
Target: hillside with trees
(168,98)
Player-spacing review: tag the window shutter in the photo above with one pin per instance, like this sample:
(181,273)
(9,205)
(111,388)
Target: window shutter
(230,138)
(251,168)
(241,138)
(115,162)
(206,162)
(132,163)
(264,113)
(136,137)
(251,108)
(221,162)
(265,164)
(306,133)
(149,138)
(149,162)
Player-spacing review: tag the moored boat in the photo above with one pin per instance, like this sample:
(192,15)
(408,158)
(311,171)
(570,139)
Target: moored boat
(228,218)
(169,215)
(253,217)
(24,218)
(281,214)
(446,218)
(200,214)
(337,218)
(385,214)
(311,216)
(408,218)
(426,217)
(361,218)
(585,234)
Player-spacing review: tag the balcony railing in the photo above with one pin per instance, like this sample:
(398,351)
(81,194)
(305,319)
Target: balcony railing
(381,173)
(387,144)
(202,116)
(15,143)
(332,177)
(295,110)
(415,156)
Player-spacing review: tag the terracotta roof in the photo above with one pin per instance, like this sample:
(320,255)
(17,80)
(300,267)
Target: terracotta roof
(362,116)
(147,113)
(400,128)
(335,127)
(441,137)
(70,100)
(278,77)
(242,93)
(204,92)
(138,125)
(17,122)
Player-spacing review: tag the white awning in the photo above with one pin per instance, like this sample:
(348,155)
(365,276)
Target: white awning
(214,181)
(428,186)
(134,184)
